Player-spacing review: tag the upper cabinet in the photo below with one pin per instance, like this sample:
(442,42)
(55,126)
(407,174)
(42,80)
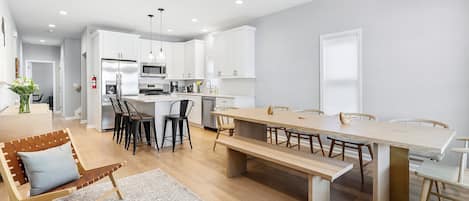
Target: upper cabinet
(233,53)
(176,69)
(194,59)
(116,45)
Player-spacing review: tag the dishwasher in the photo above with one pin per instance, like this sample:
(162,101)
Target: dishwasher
(208,106)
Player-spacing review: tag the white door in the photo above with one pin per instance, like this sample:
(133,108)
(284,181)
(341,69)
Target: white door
(341,85)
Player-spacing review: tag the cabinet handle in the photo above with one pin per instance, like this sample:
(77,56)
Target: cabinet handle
(235,73)
(219,73)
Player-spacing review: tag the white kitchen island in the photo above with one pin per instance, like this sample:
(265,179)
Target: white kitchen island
(159,106)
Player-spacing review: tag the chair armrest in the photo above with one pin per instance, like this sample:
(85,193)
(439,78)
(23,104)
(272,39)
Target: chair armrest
(460,150)
(52,195)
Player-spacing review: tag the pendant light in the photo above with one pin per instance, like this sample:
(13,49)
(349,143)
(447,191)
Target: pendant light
(150,55)
(161,56)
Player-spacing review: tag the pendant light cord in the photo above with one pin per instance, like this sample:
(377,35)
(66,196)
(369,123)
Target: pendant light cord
(161,28)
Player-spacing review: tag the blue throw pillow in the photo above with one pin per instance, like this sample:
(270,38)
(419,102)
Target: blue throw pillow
(49,168)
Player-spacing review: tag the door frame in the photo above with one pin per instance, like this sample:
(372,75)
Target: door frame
(28,74)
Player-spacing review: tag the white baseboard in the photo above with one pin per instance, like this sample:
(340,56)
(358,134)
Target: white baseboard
(83,121)
(90,126)
(71,118)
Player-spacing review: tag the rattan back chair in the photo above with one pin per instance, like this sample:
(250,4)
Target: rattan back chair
(12,169)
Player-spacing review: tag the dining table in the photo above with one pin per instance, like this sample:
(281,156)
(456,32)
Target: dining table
(392,142)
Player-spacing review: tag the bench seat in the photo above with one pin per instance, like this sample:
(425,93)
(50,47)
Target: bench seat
(321,171)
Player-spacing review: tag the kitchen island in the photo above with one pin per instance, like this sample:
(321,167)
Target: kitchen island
(159,106)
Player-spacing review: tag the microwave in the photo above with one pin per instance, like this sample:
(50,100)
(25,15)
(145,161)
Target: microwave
(153,70)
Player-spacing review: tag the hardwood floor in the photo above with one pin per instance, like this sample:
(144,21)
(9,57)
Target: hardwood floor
(203,171)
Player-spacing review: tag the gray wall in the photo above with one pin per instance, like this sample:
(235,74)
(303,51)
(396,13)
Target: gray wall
(72,72)
(415,56)
(42,74)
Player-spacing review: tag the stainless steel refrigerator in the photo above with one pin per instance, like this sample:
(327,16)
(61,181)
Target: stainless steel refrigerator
(118,78)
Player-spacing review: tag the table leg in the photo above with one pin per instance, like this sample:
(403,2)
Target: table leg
(318,189)
(381,164)
(236,163)
(399,174)
(251,130)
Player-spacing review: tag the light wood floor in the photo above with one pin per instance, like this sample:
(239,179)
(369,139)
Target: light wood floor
(202,170)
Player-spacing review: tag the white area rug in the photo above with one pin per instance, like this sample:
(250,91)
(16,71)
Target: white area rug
(154,185)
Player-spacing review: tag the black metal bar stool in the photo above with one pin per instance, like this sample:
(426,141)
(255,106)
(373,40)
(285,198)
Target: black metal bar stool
(125,121)
(178,119)
(117,118)
(138,119)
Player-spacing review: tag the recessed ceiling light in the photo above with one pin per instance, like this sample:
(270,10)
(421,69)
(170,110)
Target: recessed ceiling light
(204,30)
(170,30)
(195,20)
(62,12)
(239,2)
(42,41)
(52,25)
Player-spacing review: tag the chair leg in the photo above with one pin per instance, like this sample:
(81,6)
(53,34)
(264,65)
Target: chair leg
(274,130)
(152,124)
(370,151)
(146,125)
(343,151)
(288,134)
(299,141)
(181,130)
(360,159)
(320,145)
(311,147)
(164,133)
(426,189)
(437,187)
(189,133)
(174,129)
(114,133)
(114,184)
(331,150)
(216,138)
(136,134)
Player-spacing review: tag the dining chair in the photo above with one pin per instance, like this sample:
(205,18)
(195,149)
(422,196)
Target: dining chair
(417,155)
(224,124)
(302,134)
(273,129)
(353,144)
(433,173)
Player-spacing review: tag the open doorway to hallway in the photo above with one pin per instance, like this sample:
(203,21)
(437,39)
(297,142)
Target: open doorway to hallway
(43,74)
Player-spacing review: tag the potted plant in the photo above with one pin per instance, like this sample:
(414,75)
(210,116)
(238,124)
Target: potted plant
(24,87)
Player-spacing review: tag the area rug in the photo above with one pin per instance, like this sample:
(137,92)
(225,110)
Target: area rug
(154,185)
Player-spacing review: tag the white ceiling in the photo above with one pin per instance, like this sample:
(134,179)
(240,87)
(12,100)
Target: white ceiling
(33,16)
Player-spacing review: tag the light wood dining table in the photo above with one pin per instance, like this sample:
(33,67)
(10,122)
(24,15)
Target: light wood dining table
(391,142)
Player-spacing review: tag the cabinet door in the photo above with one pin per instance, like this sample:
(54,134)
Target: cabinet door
(189,60)
(145,48)
(177,68)
(199,60)
(168,51)
(231,53)
(128,47)
(110,48)
(195,116)
(219,54)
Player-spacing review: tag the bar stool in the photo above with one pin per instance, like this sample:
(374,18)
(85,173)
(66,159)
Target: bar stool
(301,134)
(117,117)
(125,122)
(185,107)
(138,119)
(353,144)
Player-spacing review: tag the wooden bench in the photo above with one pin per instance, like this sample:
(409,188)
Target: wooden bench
(321,171)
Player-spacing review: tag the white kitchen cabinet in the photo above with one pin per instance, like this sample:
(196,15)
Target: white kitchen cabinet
(224,102)
(195,117)
(194,59)
(116,45)
(176,69)
(234,53)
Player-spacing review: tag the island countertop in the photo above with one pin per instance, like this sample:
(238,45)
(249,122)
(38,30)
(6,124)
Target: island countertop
(153,99)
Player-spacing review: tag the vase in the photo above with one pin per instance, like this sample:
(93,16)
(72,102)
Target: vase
(24,103)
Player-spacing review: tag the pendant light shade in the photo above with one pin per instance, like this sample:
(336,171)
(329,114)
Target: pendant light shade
(150,54)
(161,58)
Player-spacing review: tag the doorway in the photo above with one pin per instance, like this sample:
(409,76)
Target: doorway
(43,74)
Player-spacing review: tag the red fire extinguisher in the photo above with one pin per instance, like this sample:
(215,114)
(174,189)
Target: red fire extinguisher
(93,82)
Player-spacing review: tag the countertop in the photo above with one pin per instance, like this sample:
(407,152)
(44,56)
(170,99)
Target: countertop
(207,94)
(153,98)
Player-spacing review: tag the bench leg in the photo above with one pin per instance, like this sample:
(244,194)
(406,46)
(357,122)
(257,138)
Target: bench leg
(236,163)
(318,189)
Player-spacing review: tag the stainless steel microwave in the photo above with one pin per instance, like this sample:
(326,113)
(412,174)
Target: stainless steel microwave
(153,70)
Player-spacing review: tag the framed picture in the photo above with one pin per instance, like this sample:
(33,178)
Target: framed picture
(2,34)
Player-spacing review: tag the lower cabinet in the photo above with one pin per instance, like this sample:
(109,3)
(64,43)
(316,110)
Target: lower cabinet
(195,117)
